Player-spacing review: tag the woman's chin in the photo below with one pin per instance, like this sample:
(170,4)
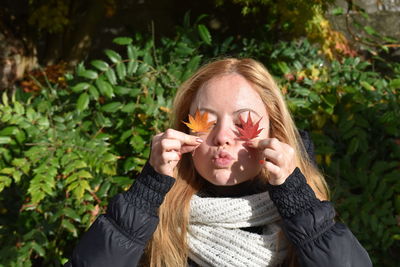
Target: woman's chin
(224,178)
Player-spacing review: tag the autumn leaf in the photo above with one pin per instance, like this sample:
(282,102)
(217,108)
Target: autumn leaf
(248,130)
(199,123)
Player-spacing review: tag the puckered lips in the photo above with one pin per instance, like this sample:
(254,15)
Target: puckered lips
(223,159)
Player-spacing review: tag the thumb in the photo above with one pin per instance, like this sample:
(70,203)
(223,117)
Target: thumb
(191,140)
(188,148)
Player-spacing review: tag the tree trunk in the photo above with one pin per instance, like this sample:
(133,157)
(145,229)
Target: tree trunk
(17,56)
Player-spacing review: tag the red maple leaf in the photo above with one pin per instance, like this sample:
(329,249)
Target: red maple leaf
(248,130)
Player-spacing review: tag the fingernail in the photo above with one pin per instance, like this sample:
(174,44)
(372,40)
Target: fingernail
(199,140)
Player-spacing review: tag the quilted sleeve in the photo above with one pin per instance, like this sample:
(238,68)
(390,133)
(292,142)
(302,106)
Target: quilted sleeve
(309,224)
(119,237)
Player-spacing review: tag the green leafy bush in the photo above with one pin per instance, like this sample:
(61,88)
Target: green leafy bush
(352,113)
(65,152)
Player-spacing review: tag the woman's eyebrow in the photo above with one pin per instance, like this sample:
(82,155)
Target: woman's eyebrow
(234,113)
(207,110)
(246,109)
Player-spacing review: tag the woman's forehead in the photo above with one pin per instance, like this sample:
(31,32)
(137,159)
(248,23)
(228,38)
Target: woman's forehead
(229,93)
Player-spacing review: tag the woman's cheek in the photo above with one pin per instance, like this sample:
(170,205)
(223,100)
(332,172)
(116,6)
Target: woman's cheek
(203,136)
(251,156)
(200,154)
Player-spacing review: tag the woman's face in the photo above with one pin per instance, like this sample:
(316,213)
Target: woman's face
(222,158)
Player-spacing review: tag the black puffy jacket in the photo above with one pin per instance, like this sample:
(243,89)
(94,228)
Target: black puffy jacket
(118,238)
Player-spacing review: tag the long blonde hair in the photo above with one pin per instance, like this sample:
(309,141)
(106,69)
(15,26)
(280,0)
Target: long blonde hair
(168,245)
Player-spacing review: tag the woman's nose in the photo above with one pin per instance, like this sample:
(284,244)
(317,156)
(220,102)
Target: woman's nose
(223,134)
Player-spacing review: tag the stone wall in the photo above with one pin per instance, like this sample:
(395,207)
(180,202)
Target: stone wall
(384,17)
(372,6)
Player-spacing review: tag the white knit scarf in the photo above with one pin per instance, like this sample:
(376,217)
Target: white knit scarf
(215,237)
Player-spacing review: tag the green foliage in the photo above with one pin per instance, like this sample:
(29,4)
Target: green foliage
(352,113)
(292,19)
(289,16)
(51,16)
(65,152)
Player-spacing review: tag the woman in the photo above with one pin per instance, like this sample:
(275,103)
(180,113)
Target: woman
(229,195)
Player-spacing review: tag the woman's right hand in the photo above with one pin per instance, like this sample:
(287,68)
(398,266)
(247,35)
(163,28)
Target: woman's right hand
(168,147)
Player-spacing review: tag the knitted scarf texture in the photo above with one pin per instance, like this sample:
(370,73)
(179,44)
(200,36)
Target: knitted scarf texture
(215,237)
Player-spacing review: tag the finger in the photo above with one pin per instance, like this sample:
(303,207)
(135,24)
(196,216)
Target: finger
(273,169)
(187,148)
(182,137)
(156,138)
(274,156)
(170,157)
(262,144)
(170,144)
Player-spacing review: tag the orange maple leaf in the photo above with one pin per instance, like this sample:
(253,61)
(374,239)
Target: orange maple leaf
(200,123)
(248,130)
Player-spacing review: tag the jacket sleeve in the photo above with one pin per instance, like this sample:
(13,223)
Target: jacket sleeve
(309,224)
(119,237)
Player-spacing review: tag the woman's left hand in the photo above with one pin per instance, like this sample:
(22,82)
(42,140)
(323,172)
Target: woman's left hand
(277,157)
